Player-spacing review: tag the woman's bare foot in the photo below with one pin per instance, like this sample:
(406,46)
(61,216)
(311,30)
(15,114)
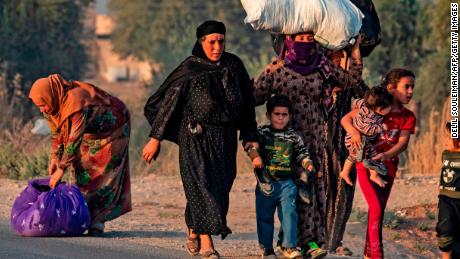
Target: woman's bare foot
(206,244)
(346,178)
(379,181)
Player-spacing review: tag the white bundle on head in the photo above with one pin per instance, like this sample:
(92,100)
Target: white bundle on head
(334,22)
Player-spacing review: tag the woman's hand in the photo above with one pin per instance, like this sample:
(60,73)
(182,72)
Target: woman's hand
(347,124)
(151,150)
(356,139)
(355,51)
(56,177)
(54,162)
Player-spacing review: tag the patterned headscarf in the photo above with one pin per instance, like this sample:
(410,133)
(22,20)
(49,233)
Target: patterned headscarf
(64,98)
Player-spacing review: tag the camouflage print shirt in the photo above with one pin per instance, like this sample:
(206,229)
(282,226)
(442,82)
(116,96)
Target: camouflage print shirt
(279,149)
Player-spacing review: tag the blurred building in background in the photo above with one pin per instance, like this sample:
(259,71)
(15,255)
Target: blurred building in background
(106,64)
(110,65)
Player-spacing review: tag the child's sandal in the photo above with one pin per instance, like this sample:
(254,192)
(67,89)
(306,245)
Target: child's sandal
(316,253)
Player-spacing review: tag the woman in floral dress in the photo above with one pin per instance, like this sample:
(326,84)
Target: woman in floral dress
(90,137)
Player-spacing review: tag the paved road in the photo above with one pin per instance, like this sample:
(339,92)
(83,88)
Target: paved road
(12,246)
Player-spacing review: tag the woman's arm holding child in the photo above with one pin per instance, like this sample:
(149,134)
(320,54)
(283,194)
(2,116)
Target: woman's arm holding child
(347,124)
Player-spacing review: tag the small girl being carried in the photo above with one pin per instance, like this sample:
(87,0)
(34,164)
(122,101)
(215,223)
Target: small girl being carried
(369,121)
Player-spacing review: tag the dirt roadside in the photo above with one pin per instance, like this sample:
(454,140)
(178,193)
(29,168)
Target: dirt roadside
(157,217)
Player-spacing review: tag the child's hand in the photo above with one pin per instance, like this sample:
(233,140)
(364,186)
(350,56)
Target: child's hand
(385,127)
(308,164)
(257,162)
(380,157)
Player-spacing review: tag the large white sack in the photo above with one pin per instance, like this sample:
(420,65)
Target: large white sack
(334,22)
(283,16)
(342,21)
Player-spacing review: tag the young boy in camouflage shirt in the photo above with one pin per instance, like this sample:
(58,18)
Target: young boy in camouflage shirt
(280,146)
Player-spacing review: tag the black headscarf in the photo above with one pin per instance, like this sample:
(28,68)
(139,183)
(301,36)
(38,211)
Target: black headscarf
(206,28)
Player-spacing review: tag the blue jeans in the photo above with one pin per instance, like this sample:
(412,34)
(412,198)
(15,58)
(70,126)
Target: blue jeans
(283,198)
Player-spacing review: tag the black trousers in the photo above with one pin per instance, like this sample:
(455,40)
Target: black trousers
(448,226)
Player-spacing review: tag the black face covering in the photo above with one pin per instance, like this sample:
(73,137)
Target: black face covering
(206,28)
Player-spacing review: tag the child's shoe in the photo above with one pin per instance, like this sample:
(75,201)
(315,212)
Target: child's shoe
(314,251)
(269,254)
(375,165)
(291,252)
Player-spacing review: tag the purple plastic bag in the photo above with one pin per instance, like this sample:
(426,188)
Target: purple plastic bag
(42,211)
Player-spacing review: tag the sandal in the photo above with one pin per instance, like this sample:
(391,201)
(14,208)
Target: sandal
(343,251)
(96,230)
(316,253)
(210,254)
(193,244)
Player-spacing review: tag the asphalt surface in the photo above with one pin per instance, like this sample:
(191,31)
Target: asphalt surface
(13,246)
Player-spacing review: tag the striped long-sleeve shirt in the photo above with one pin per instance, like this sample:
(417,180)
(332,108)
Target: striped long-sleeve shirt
(279,149)
(367,121)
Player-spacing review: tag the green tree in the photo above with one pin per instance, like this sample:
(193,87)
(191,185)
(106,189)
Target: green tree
(433,77)
(164,31)
(415,34)
(39,37)
(401,41)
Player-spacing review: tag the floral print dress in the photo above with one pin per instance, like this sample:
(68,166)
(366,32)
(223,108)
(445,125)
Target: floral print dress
(96,154)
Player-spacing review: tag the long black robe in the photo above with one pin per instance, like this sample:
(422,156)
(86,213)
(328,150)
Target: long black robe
(339,195)
(217,96)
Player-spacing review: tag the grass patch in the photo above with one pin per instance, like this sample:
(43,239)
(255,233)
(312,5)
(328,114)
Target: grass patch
(391,220)
(431,215)
(428,145)
(358,215)
(423,226)
(395,236)
(168,214)
(22,155)
(420,248)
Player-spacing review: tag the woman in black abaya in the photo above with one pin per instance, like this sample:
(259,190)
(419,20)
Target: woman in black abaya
(200,106)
